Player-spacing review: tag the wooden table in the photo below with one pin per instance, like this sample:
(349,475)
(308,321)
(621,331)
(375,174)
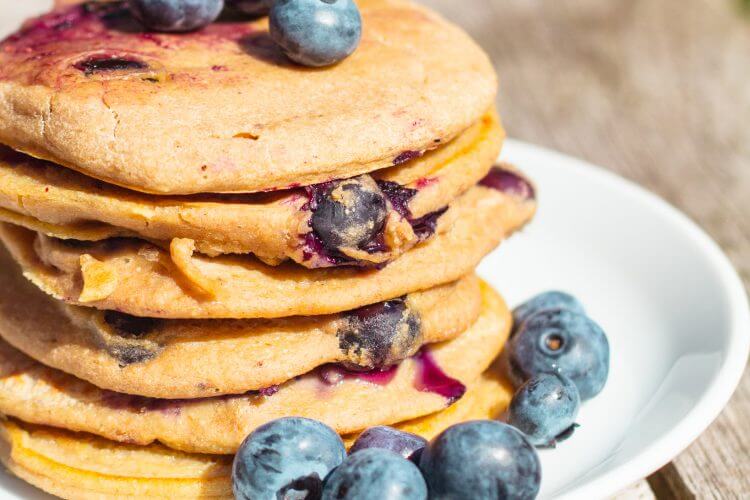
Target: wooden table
(658,91)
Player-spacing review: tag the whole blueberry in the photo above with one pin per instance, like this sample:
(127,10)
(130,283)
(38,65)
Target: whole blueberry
(562,341)
(287,458)
(548,300)
(481,459)
(544,408)
(316,32)
(349,213)
(251,7)
(375,474)
(406,444)
(176,15)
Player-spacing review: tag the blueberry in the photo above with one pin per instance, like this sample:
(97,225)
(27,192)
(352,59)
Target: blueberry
(316,32)
(508,182)
(406,444)
(563,341)
(380,335)
(545,408)
(103,64)
(251,7)
(548,300)
(287,458)
(375,474)
(176,15)
(349,213)
(481,459)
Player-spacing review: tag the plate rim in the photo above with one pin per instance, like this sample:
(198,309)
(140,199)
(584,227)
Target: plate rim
(724,381)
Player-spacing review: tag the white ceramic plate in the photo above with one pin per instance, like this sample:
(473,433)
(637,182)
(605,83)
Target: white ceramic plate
(674,309)
(675,312)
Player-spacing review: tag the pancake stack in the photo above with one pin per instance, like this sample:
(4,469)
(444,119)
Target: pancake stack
(203,237)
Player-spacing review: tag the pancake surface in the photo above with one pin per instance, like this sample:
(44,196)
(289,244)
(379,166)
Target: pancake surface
(83,466)
(226,111)
(141,279)
(200,358)
(62,203)
(346,401)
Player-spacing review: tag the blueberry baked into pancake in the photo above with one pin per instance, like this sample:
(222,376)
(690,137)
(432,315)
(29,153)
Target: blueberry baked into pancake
(392,209)
(241,239)
(142,278)
(167,358)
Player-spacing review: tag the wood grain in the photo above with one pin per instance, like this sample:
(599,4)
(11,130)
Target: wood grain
(658,91)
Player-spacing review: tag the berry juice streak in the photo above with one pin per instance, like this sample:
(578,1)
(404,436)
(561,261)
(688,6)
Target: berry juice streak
(70,34)
(431,378)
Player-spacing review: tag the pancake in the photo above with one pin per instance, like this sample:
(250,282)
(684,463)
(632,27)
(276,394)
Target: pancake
(222,110)
(141,279)
(65,204)
(347,401)
(201,358)
(84,466)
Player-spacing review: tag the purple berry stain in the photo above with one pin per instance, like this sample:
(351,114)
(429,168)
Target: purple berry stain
(50,39)
(406,156)
(379,377)
(333,374)
(431,378)
(141,404)
(269,391)
(508,182)
(105,63)
(398,196)
(426,181)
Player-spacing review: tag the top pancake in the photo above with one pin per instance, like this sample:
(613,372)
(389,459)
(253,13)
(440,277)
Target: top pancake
(222,110)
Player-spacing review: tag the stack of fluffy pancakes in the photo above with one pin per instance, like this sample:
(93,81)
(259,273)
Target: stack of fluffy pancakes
(166,289)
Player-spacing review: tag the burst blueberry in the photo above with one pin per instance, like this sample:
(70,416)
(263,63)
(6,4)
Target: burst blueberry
(176,15)
(316,32)
(349,213)
(545,408)
(104,64)
(553,299)
(375,474)
(380,335)
(406,444)
(561,341)
(286,458)
(481,459)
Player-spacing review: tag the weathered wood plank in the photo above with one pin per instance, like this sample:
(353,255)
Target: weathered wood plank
(657,91)
(639,491)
